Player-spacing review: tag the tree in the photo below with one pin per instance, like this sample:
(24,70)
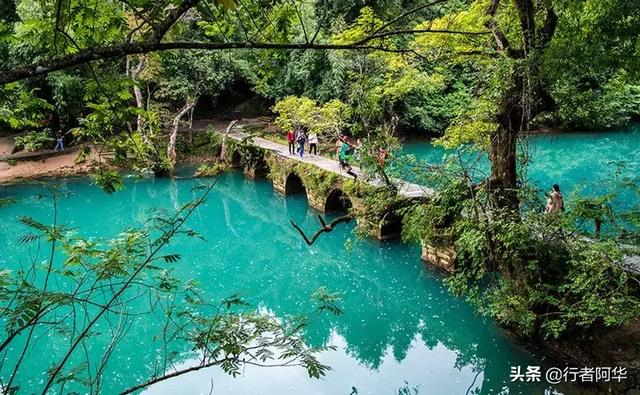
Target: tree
(155,22)
(516,90)
(184,78)
(90,284)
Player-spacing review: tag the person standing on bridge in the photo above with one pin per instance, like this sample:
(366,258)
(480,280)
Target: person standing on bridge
(313,143)
(302,140)
(291,139)
(338,147)
(345,151)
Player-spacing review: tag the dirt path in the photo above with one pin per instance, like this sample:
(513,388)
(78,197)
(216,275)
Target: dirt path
(61,165)
(17,169)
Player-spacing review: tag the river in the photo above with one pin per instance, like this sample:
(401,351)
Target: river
(401,330)
(583,164)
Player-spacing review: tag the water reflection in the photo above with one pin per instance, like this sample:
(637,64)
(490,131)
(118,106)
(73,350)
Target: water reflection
(427,370)
(401,328)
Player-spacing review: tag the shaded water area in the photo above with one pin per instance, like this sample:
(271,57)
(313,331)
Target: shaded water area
(401,329)
(583,164)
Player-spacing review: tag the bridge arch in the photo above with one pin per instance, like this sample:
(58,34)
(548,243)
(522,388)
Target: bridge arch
(293,185)
(337,200)
(236,159)
(390,226)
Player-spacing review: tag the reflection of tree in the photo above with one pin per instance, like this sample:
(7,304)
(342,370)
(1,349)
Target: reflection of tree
(377,318)
(381,312)
(387,299)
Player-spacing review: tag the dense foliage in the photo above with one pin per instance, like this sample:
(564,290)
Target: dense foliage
(430,81)
(542,274)
(130,75)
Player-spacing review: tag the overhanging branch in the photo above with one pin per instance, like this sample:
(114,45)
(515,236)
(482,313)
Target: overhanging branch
(406,14)
(324,227)
(174,15)
(152,45)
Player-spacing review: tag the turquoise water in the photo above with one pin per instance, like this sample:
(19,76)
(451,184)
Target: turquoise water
(400,329)
(583,164)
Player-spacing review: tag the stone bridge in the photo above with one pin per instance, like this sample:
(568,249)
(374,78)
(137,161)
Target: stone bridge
(327,187)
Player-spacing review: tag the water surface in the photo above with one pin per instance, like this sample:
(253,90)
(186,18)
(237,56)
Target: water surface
(583,164)
(401,329)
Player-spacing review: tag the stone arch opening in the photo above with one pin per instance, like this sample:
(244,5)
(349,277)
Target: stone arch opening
(293,185)
(390,226)
(236,158)
(337,201)
(259,170)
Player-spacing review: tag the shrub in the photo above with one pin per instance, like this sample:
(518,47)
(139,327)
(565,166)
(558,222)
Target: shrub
(538,274)
(34,141)
(211,170)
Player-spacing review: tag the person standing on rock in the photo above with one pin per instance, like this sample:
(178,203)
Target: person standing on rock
(555,200)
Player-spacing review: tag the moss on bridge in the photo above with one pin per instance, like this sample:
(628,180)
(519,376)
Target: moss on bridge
(376,209)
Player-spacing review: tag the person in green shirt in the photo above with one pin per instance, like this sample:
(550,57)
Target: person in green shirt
(345,152)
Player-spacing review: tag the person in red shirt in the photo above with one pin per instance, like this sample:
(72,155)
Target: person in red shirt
(382,157)
(291,139)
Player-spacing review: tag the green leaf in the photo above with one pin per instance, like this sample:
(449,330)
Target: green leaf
(228,4)
(171,258)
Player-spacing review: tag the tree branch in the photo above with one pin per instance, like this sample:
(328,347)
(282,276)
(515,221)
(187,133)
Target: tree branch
(502,43)
(304,29)
(163,27)
(405,14)
(324,227)
(419,31)
(131,48)
(549,27)
(526,15)
(223,146)
(161,242)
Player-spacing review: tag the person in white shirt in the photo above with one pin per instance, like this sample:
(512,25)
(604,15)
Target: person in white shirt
(313,143)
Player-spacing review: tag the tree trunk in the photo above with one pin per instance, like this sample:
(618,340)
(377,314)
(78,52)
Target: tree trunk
(139,104)
(171,147)
(511,120)
(223,147)
(523,99)
(502,184)
(191,124)
(137,92)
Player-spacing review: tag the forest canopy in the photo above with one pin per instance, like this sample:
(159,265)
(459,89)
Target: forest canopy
(434,64)
(127,79)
